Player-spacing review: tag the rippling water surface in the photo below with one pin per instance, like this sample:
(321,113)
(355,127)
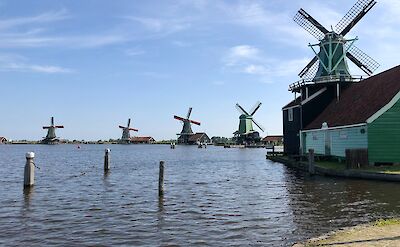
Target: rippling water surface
(213,196)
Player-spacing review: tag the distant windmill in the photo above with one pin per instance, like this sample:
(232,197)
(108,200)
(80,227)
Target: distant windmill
(51,137)
(330,62)
(126,135)
(187,128)
(246,133)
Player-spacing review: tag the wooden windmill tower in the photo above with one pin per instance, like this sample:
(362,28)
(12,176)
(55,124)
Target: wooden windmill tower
(183,137)
(327,74)
(51,137)
(126,133)
(329,65)
(246,133)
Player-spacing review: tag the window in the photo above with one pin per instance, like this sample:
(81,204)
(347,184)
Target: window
(290,114)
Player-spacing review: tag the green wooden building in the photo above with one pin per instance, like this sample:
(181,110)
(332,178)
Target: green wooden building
(365,116)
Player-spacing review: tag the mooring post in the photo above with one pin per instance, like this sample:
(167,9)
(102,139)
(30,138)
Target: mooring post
(107,160)
(273,150)
(311,168)
(161,180)
(29,173)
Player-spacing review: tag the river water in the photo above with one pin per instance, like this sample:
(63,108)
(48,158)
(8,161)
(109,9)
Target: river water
(213,197)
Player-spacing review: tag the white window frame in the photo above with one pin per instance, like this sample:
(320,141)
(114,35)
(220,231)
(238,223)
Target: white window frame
(290,114)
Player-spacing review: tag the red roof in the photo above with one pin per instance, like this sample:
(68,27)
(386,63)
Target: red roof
(272,139)
(197,136)
(142,139)
(360,100)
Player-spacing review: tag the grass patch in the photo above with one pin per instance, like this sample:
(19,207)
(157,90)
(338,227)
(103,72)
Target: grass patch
(387,222)
(334,165)
(395,169)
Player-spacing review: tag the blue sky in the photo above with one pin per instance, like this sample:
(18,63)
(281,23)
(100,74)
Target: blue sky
(92,64)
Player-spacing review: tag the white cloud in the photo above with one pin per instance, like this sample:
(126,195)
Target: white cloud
(134,52)
(20,67)
(241,53)
(42,18)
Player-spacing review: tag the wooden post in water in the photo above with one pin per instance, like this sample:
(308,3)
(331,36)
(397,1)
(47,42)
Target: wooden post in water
(29,173)
(273,150)
(311,164)
(161,180)
(107,160)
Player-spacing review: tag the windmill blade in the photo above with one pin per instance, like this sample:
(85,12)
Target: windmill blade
(362,60)
(121,127)
(189,112)
(258,125)
(133,129)
(241,110)
(59,126)
(46,127)
(129,122)
(310,24)
(355,14)
(194,122)
(309,67)
(179,118)
(255,108)
(52,121)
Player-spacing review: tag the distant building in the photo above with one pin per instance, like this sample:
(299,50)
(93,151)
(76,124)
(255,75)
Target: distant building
(142,140)
(3,140)
(199,138)
(276,140)
(365,116)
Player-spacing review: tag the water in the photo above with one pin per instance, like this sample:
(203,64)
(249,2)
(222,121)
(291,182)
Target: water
(213,196)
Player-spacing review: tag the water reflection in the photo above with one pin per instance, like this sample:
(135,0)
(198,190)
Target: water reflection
(322,204)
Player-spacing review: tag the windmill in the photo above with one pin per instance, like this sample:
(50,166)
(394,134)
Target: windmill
(51,137)
(330,62)
(246,133)
(126,133)
(187,127)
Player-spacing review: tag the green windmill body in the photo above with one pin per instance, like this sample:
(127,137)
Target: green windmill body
(332,56)
(126,133)
(333,50)
(51,137)
(246,133)
(187,132)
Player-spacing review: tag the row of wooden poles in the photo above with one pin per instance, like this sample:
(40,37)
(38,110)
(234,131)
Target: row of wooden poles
(29,172)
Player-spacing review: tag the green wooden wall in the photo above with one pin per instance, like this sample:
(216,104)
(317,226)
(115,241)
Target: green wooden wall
(384,137)
(348,138)
(340,140)
(314,140)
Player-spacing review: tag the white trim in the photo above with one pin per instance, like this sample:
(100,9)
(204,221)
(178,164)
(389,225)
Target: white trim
(338,127)
(314,95)
(287,108)
(384,109)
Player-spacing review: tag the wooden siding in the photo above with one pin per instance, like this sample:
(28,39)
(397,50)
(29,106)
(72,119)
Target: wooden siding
(348,138)
(314,140)
(384,136)
(338,140)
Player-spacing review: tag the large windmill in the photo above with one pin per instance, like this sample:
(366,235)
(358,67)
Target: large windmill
(187,131)
(126,133)
(51,137)
(246,133)
(330,62)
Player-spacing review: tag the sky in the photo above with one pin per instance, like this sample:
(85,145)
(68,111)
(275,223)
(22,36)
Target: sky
(93,64)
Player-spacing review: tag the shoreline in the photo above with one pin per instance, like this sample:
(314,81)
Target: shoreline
(378,233)
(342,173)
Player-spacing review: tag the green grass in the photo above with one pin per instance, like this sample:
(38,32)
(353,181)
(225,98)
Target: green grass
(387,222)
(334,165)
(395,169)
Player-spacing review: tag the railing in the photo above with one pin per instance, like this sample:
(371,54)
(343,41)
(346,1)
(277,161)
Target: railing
(324,79)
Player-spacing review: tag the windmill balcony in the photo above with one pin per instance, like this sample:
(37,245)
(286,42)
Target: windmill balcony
(295,87)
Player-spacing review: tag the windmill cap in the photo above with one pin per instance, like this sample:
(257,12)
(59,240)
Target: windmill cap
(30,155)
(107,150)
